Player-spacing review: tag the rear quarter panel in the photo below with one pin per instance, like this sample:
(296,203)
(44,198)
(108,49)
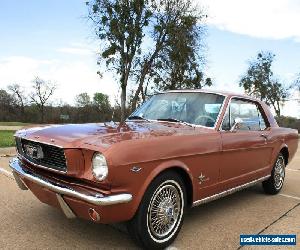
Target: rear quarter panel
(280,137)
(284,138)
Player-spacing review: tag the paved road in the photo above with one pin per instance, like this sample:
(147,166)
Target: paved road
(25,223)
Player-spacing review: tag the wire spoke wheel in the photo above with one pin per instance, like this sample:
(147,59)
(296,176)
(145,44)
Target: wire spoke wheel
(165,210)
(279,173)
(160,215)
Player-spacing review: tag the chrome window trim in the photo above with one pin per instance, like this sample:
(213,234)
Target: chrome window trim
(227,107)
(220,112)
(195,91)
(229,191)
(241,98)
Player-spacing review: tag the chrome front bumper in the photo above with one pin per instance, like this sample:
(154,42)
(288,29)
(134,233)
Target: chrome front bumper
(98,199)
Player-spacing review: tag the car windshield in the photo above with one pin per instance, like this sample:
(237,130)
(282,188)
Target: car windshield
(196,108)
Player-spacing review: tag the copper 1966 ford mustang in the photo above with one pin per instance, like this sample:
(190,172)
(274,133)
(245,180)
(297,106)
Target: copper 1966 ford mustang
(178,150)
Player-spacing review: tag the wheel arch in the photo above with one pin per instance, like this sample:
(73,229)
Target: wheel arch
(285,152)
(177,167)
(186,180)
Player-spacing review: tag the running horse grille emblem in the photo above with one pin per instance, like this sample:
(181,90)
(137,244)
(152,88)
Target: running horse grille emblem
(34,152)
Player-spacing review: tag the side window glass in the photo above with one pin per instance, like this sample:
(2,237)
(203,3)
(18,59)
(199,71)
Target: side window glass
(262,123)
(226,121)
(248,112)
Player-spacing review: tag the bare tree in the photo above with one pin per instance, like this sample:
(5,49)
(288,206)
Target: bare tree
(42,91)
(18,92)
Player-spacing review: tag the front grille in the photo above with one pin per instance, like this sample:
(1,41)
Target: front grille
(49,156)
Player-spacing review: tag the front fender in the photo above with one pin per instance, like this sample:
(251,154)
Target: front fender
(171,164)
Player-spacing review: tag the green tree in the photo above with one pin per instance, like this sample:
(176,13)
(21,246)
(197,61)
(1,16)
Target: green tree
(136,37)
(101,103)
(119,25)
(176,35)
(7,104)
(259,81)
(82,100)
(180,65)
(101,100)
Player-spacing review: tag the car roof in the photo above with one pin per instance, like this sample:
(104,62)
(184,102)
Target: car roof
(218,92)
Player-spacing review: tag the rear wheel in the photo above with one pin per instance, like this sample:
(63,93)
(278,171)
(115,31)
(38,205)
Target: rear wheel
(160,214)
(275,183)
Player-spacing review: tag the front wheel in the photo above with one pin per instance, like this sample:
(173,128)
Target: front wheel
(160,214)
(274,184)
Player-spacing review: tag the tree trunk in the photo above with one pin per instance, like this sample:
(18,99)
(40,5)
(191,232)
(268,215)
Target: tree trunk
(146,68)
(123,104)
(22,113)
(277,109)
(138,91)
(42,113)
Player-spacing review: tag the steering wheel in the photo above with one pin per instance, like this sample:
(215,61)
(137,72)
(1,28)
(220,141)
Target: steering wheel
(201,117)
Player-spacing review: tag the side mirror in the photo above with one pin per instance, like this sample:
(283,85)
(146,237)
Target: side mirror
(237,123)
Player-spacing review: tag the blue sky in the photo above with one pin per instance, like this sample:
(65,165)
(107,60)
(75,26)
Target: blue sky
(38,28)
(52,39)
(229,53)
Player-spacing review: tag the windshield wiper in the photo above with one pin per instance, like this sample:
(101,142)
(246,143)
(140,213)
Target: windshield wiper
(175,120)
(136,117)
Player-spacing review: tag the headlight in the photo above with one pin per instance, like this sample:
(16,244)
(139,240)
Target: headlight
(99,167)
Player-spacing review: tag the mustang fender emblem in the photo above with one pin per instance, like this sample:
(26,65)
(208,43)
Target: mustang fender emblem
(136,169)
(202,178)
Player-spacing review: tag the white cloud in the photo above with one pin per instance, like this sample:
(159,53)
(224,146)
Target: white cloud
(274,19)
(81,49)
(76,51)
(292,107)
(72,77)
(20,69)
(76,48)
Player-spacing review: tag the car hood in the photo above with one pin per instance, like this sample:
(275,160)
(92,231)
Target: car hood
(103,135)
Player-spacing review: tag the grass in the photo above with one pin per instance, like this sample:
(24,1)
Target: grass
(6,138)
(13,124)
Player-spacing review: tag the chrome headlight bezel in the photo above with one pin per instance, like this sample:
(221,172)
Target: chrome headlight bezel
(99,167)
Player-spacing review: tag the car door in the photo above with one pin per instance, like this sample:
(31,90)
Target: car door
(245,149)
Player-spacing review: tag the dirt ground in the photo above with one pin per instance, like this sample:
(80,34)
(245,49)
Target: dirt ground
(25,223)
